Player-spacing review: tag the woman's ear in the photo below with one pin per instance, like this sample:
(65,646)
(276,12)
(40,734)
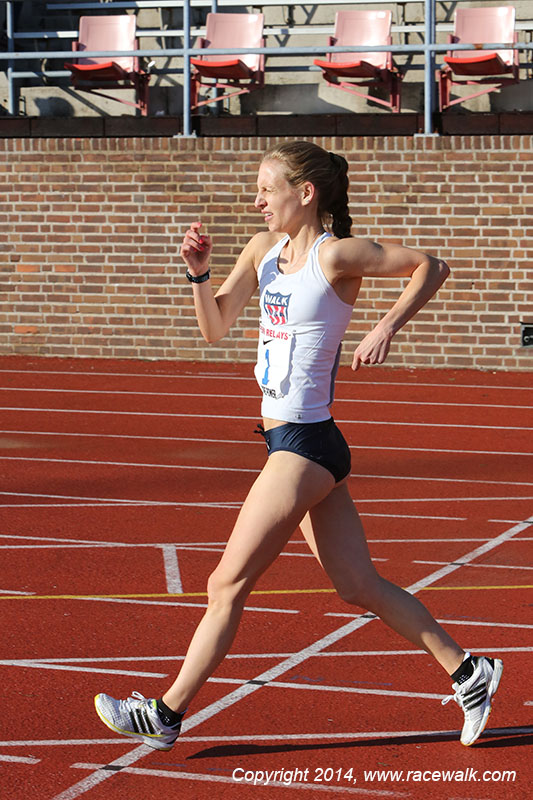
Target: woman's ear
(308,191)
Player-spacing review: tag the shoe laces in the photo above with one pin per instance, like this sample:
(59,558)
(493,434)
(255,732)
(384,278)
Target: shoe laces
(134,701)
(457,697)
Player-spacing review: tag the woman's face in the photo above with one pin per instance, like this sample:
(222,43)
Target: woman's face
(283,206)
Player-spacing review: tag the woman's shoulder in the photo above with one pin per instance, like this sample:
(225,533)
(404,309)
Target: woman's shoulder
(335,253)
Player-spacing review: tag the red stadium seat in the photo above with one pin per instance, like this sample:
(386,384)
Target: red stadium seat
(479,26)
(235,75)
(363,69)
(110,32)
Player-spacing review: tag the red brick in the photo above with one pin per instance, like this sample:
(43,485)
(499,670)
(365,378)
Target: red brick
(95,228)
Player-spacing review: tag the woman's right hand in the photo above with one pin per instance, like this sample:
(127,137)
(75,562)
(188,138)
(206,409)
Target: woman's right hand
(196,250)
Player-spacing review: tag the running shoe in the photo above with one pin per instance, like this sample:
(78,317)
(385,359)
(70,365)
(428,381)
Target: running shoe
(475,694)
(137,718)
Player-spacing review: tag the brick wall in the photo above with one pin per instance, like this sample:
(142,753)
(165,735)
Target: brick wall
(91,230)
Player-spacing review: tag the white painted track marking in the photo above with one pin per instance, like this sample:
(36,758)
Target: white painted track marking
(224,376)
(20,759)
(254,417)
(87,462)
(172,570)
(255,397)
(274,737)
(202,440)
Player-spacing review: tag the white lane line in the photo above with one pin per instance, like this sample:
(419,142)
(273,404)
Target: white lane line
(134,601)
(102,504)
(225,376)
(117,502)
(127,502)
(441,540)
(420,516)
(120,659)
(271,737)
(203,440)
(33,664)
(343,689)
(260,656)
(381,653)
(211,778)
(444,499)
(172,570)
(107,504)
(473,622)
(423,479)
(69,540)
(254,397)
(58,742)
(196,549)
(254,418)
(8,591)
(96,546)
(87,462)
(479,566)
(480,624)
(20,759)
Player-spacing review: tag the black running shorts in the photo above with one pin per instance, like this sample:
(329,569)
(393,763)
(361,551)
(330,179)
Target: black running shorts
(321,442)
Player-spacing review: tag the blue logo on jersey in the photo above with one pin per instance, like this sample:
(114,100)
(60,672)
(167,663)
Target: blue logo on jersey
(276,306)
(264,382)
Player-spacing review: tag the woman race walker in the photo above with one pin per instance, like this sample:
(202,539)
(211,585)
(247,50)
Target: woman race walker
(308,280)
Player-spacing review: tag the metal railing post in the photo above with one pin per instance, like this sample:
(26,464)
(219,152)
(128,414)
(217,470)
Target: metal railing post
(11,100)
(429,66)
(187,69)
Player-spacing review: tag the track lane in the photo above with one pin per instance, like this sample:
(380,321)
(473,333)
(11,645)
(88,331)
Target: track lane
(296,703)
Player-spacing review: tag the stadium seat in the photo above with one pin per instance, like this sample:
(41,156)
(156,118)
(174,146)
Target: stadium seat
(363,69)
(479,26)
(235,75)
(110,32)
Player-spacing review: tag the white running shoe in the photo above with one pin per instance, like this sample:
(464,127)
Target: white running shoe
(136,717)
(475,694)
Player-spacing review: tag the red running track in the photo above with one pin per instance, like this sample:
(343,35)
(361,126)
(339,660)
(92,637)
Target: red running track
(120,483)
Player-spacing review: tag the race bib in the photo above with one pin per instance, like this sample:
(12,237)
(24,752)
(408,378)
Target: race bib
(273,368)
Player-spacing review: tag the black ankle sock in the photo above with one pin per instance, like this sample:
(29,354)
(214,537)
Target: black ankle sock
(464,671)
(167,716)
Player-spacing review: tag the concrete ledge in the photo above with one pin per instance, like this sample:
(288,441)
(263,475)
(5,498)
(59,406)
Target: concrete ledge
(15,127)
(516,122)
(407,124)
(457,124)
(66,127)
(453,123)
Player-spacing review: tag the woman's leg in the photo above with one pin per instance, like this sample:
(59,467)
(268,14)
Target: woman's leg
(335,534)
(287,487)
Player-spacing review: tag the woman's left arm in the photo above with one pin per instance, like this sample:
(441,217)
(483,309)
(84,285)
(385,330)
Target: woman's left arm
(359,258)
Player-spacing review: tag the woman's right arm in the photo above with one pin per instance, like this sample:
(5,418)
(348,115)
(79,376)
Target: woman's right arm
(216,313)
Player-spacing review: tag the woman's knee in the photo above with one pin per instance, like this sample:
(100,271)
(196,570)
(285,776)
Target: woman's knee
(362,593)
(222,590)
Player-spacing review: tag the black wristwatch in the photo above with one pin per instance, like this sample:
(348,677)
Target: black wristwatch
(198,278)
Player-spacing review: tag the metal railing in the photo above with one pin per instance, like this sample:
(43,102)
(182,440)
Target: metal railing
(429,48)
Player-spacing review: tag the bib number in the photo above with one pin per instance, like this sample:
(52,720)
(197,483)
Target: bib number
(273,367)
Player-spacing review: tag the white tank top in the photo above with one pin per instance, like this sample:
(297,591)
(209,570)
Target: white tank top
(300,333)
